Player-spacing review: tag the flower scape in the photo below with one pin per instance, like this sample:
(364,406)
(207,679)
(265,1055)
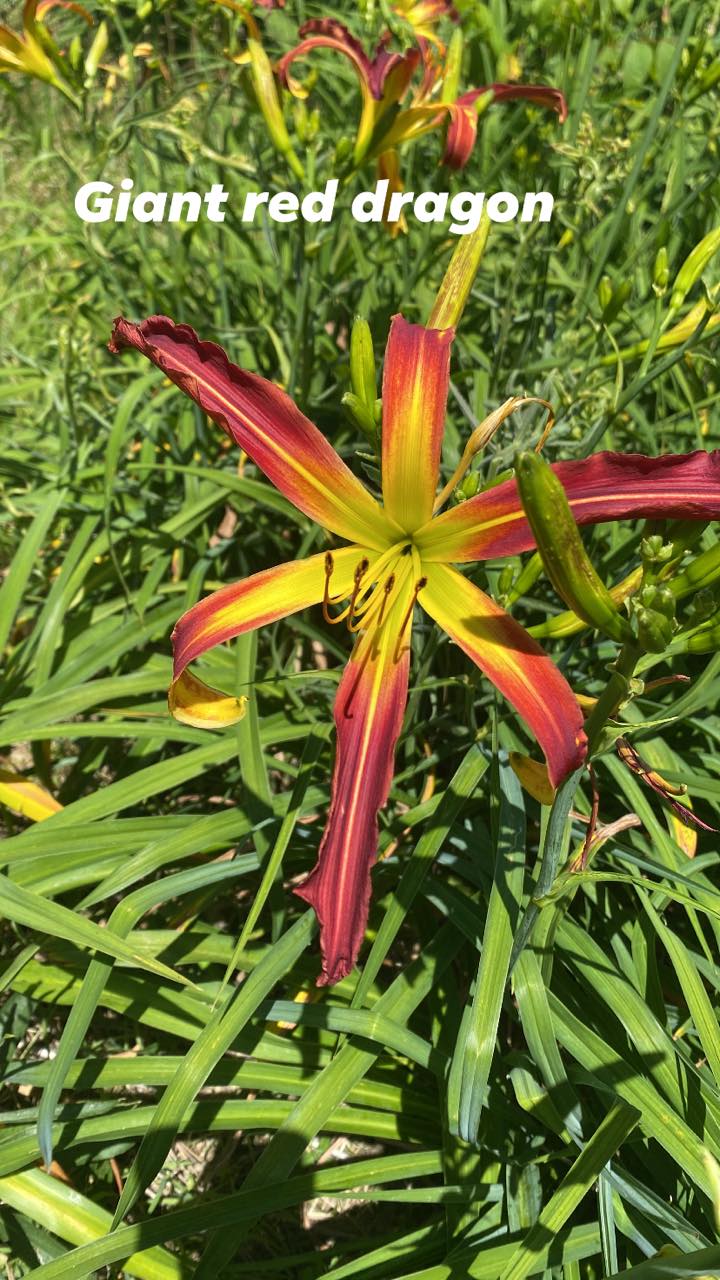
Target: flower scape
(401,553)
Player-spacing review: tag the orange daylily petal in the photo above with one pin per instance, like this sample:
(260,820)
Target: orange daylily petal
(606,486)
(26,797)
(261,599)
(192,702)
(263,420)
(533,776)
(415,387)
(514,662)
(369,709)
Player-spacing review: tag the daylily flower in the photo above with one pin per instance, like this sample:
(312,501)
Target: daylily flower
(384,78)
(422,15)
(384,82)
(34,52)
(399,556)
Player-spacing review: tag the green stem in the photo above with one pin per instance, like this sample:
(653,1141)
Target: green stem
(613,694)
(606,706)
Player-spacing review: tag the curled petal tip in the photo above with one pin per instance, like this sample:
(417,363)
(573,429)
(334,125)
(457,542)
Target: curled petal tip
(265,422)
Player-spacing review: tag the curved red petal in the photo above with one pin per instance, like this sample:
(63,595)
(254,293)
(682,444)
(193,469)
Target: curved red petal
(261,599)
(327,33)
(515,663)
(606,486)
(263,420)
(543,95)
(369,709)
(461,136)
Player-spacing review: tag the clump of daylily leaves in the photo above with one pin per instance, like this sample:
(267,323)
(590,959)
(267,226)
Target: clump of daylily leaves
(387,554)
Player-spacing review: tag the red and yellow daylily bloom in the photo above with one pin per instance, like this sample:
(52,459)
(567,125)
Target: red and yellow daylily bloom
(34,52)
(398,556)
(384,78)
(385,81)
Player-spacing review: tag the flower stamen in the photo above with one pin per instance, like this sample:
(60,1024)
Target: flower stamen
(329,567)
(362,615)
(419,585)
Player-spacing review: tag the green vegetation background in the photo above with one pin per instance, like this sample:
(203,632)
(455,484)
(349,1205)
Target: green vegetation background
(324,1136)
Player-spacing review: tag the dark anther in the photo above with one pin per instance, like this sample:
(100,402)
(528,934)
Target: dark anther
(329,566)
(358,576)
(386,596)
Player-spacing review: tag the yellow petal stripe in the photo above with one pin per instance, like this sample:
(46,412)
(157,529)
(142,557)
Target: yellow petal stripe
(514,662)
(415,387)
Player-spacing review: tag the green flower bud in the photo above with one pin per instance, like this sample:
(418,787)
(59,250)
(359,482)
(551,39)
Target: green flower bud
(605,293)
(701,572)
(654,550)
(705,641)
(654,629)
(362,364)
(75,52)
(458,279)
(359,415)
(469,486)
(453,67)
(661,272)
(526,578)
(659,598)
(96,52)
(561,549)
(702,606)
(268,100)
(343,150)
(617,302)
(693,267)
(506,579)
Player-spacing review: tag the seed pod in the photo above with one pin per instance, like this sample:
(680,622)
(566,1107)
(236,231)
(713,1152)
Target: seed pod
(362,364)
(654,629)
(561,549)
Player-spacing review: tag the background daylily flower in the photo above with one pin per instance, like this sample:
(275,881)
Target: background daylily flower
(400,555)
(423,15)
(384,82)
(34,52)
(384,78)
